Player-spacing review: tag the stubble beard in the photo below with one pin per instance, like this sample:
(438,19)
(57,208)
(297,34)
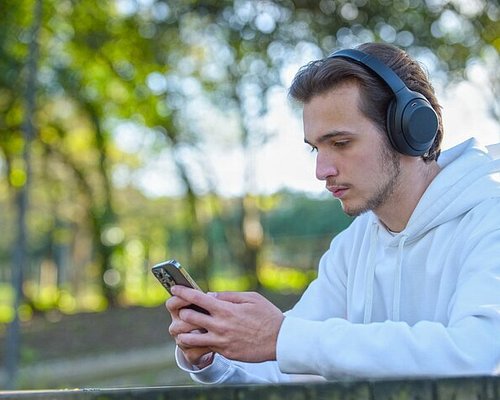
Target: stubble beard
(390,161)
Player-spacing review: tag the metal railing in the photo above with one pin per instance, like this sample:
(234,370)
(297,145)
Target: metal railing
(466,388)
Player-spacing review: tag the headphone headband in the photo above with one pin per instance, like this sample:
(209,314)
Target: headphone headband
(411,122)
(375,65)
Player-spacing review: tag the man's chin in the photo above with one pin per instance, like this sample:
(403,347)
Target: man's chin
(352,210)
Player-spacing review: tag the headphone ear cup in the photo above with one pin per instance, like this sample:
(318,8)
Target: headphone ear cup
(412,123)
(419,124)
(392,131)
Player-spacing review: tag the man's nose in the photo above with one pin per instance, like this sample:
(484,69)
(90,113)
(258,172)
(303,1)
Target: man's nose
(325,166)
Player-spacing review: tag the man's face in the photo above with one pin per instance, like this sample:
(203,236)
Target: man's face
(357,164)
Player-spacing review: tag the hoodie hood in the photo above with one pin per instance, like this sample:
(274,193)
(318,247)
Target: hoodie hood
(468,176)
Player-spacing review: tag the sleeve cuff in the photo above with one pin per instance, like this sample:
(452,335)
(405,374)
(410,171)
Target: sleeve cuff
(211,374)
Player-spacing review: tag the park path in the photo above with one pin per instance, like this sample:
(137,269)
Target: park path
(153,366)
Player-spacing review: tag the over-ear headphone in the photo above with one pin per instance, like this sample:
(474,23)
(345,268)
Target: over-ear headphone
(412,123)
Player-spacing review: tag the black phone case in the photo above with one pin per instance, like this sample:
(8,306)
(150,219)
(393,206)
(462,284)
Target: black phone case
(169,273)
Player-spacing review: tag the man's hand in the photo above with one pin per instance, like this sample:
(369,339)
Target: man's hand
(241,326)
(198,356)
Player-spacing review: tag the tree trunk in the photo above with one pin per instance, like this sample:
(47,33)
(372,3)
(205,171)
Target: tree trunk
(196,242)
(20,247)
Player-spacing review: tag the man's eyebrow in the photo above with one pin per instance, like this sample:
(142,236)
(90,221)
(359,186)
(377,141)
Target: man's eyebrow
(328,136)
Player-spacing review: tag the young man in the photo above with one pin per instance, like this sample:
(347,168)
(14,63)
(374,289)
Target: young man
(412,287)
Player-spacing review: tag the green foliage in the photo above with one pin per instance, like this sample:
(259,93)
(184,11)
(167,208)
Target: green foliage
(298,215)
(125,84)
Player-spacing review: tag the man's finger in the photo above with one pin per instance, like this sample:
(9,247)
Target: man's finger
(195,318)
(193,296)
(179,326)
(175,303)
(236,297)
(195,340)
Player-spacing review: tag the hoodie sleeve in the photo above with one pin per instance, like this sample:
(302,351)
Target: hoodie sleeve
(223,370)
(468,344)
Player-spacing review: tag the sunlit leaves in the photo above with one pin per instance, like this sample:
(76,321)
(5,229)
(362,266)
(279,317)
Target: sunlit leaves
(129,87)
(18,176)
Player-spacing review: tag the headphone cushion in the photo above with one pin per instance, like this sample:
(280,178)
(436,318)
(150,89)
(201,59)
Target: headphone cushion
(393,132)
(412,123)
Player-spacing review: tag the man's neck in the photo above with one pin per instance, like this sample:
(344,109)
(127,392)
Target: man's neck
(416,176)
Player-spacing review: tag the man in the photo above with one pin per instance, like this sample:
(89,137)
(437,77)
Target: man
(412,287)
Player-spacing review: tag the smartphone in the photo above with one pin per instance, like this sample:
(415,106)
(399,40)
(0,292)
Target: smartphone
(171,273)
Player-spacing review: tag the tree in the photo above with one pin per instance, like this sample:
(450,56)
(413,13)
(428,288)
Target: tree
(20,252)
(166,69)
(237,51)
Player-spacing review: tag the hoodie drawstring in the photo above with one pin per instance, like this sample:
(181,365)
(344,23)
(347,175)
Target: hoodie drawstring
(396,300)
(370,274)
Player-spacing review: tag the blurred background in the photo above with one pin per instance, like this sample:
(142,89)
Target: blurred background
(134,131)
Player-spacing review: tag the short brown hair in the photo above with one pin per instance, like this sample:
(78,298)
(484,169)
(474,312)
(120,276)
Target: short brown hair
(322,75)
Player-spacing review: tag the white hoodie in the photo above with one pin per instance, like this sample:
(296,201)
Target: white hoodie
(422,302)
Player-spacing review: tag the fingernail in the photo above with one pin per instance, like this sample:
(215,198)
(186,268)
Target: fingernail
(213,294)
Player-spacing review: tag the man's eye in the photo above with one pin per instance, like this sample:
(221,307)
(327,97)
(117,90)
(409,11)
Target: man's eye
(314,149)
(341,143)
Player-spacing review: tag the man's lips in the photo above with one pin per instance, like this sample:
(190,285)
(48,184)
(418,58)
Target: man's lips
(337,191)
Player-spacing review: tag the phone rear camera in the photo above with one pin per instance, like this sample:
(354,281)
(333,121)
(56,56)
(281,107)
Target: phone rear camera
(159,274)
(168,280)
